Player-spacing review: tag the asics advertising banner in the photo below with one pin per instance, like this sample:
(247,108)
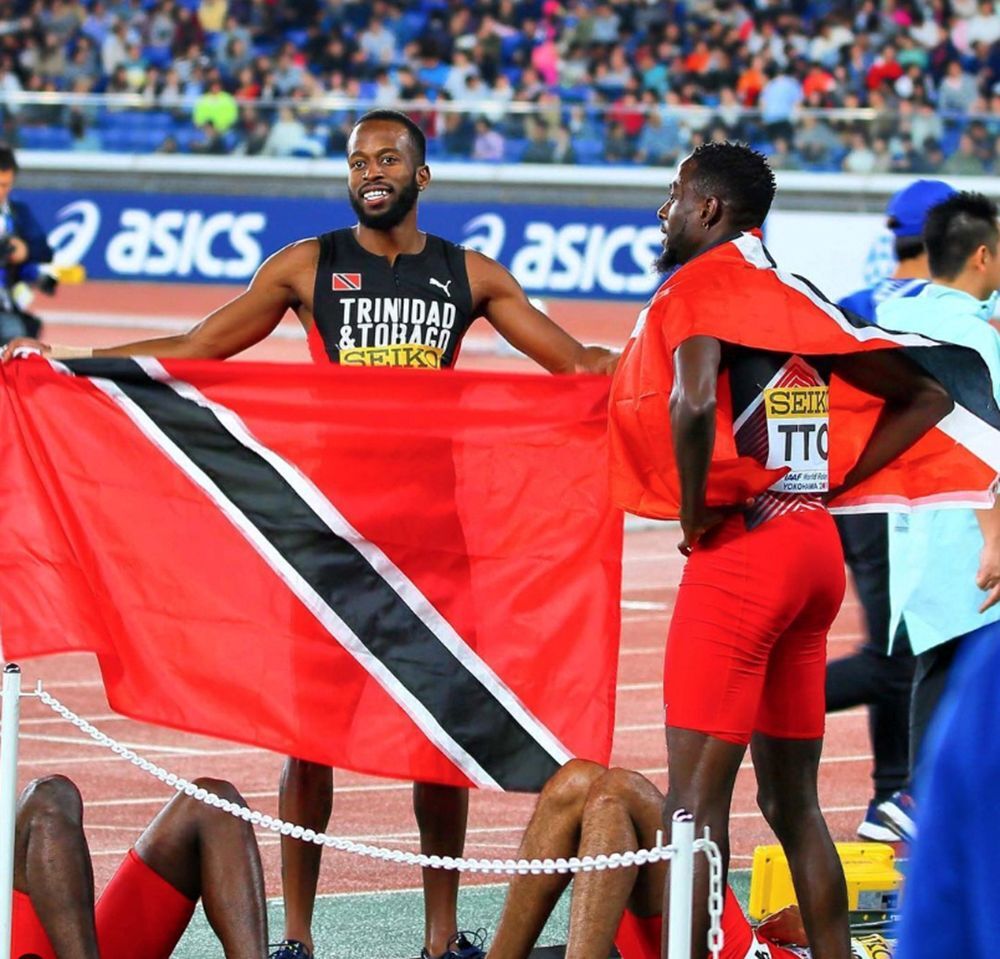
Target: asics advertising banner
(598,252)
(407,575)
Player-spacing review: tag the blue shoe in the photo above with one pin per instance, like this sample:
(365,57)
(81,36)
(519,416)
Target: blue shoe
(899,814)
(291,949)
(462,945)
(873,828)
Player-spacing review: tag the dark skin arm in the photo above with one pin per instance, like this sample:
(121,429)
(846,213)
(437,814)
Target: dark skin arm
(914,403)
(283,282)
(501,299)
(692,426)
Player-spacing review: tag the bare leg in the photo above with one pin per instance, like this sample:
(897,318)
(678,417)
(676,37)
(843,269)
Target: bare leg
(442,813)
(622,812)
(52,865)
(702,772)
(305,797)
(786,793)
(204,852)
(552,832)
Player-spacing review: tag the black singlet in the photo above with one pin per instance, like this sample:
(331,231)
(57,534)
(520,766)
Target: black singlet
(368,312)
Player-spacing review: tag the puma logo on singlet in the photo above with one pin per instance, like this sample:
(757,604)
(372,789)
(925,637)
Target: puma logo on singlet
(444,286)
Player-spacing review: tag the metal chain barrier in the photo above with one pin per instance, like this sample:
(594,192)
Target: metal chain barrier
(617,860)
(716,895)
(574,864)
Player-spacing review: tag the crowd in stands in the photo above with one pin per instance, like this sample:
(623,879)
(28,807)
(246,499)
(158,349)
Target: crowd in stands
(916,82)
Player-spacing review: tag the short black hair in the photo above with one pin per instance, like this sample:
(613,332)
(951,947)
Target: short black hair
(956,228)
(907,247)
(7,159)
(417,139)
(738,175)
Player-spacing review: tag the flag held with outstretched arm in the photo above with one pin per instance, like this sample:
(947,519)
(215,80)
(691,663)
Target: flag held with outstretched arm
(407,575)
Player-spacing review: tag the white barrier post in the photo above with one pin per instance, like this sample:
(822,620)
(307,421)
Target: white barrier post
(681,885)
(10,718)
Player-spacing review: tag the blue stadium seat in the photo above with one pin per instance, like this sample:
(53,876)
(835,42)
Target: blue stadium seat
(44,138)
(513,149)
(589,150)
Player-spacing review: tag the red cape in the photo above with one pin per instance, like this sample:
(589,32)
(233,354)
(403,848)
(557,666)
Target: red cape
(735,293)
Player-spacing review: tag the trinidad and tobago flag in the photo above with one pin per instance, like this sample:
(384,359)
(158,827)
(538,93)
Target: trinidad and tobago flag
(735,293)
(409,575)
(344,282)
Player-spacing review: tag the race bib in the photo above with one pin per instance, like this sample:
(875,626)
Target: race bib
(798,436)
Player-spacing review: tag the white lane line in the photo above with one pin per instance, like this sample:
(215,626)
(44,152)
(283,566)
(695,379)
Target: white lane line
(177,752)
(46,720)
(140,747)
(654,727)
(248,795)
(824,761)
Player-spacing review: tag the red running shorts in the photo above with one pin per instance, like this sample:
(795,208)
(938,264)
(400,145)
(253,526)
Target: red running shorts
(139,914)
(639,937)
(746,650)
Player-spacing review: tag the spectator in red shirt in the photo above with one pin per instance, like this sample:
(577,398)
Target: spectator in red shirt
(885,68)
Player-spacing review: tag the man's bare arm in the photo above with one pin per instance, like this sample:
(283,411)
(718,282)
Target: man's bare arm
(914,403)
(692,428)
(988,577)
(504,303)
(239,324)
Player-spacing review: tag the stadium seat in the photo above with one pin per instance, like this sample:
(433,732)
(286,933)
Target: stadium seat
(45,138)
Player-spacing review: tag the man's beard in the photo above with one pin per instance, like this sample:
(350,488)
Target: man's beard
(404,201)
(666,262)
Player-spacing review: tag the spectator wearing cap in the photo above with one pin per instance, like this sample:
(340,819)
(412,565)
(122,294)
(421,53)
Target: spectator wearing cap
(880,673)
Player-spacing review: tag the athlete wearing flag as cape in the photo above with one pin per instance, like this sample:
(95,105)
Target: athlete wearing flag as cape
(730,412)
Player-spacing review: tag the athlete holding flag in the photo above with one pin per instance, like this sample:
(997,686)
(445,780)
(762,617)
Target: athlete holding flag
(380,293)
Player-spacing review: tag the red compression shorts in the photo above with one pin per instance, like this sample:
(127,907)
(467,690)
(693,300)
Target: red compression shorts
(139,914)
(746,651)
(640,937)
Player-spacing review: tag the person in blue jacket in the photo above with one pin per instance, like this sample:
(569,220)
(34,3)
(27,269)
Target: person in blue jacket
(23,249)
(873,676)
(950,906)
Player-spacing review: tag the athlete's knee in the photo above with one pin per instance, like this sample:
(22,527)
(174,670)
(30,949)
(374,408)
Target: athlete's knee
(222,788)
(568,788)
(785,810)
(51,798)
(616,785)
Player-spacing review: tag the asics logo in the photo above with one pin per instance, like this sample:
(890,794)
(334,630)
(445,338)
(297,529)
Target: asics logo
(444,286)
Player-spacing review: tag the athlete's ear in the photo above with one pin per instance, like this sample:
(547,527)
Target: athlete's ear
(423,176)
(711,211)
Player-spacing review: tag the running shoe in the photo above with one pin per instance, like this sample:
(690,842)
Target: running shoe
(462,945)
(291,949)
(899,814)
(873,828)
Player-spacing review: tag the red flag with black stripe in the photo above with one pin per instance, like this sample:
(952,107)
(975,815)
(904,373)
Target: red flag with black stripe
(399,574)
(735,293)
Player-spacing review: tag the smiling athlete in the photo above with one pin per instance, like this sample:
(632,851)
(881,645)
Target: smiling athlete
(379,293)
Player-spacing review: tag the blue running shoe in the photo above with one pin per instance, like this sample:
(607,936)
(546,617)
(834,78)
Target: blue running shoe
(462,945)
(899,814)
(291,949)
(873,828)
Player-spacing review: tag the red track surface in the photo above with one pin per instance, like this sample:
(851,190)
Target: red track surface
(121,799)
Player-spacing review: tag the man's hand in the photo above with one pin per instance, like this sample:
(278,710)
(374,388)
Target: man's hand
(698,524)
(988,577)
(599,360)
(24,343)
(18,251)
